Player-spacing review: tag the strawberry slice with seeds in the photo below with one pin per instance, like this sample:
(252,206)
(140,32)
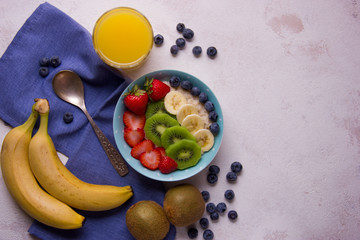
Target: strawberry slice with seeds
(156,89)
(151,159)
(162,151)
(167,165)
(144,146)
(133,137)
(133,121)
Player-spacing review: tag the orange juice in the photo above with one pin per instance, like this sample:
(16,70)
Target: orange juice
(123,38)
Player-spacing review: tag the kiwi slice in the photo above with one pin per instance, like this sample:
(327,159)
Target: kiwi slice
(156,125)
(185,152)
(174,134)
(154,108)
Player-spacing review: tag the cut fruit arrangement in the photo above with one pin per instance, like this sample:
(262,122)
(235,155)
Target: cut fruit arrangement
(165,128)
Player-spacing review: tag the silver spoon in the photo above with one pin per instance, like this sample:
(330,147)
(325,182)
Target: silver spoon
(68,86)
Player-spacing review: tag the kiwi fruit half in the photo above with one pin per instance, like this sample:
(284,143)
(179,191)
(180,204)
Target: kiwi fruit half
(185,152)
(156,125)
(174,134)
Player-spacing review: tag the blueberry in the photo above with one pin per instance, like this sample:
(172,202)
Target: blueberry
(212,178)
(236,167)
(180,27)
(180,42)
(214,216)
(204,223)
(174,81)
(210,208)
(192,233)
(195,91)
(205,195)
(55,61)
(174,49)
(213,116)
(43,71)
(211,52)
(229,194)
(214,128)
(68,117)
(44,62)
(186,84)
(221,207)
(209,106)
(214,169)
(188,33)
(197,51)
(208,234)
(203,97)
(232,214)
(231,176)
(158,39)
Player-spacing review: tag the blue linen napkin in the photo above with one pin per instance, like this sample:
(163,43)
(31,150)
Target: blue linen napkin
(49,32)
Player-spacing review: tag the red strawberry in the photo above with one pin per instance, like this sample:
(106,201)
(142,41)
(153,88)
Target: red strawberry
(133,121)
(167,165)
(143,146)
(156,89)
(162,151)
(136,100)
(151,159)
(133,137)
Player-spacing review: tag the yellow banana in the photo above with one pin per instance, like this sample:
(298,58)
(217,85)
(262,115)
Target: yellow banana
(57,180)
(23,186)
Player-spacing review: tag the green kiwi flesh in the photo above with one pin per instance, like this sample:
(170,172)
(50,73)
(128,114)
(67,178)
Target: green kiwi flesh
(174,134)
(154,108)
(185,152)
(156,125)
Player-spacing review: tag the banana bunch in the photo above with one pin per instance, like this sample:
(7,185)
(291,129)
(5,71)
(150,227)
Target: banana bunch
(27,161)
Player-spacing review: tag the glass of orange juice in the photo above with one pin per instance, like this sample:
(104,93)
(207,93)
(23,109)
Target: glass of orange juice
(123,38)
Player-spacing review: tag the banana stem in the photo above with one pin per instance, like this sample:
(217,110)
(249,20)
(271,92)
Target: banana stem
(29,124)
(43,108)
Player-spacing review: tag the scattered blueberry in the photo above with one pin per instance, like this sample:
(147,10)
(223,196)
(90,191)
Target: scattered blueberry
(213,116)
(68,117)
(214,216)
(174,49)
(44,62)
(232,214)
(158,39)
(214,128)
(180,27)
(236,167)
(231,176)
(175,81)
(208,234)
(211,52)
(210,208)
(204,223)
(197,50)
(229,194)
(188,33)
(180,42)
(212,178)
(205,195)
(209,106)
(55,61)
(187,85)
(192,233)
(195,91)
(214,169)
(221,207)
(203,97)
(43,71)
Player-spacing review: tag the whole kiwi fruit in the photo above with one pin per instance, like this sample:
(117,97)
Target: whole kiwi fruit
(184,205)
(146,220)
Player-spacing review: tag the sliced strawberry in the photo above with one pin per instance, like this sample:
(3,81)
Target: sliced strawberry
(136,100)
(167,165)
(156,89)
(162,151)
(133,137)
(151,159)
(134,121)
(144,146)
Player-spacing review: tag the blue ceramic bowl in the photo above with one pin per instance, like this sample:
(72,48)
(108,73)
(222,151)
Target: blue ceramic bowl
(124,148)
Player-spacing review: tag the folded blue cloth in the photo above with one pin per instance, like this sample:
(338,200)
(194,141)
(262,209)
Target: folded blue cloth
(49,32)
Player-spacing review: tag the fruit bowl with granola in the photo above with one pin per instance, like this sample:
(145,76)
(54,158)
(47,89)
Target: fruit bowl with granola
(168,125)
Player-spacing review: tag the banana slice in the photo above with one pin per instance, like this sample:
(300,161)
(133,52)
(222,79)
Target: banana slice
(173,101)
(205,139)
(193,123)
(186,110)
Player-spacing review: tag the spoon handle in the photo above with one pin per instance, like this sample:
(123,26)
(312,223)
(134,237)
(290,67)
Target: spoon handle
(114,156)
